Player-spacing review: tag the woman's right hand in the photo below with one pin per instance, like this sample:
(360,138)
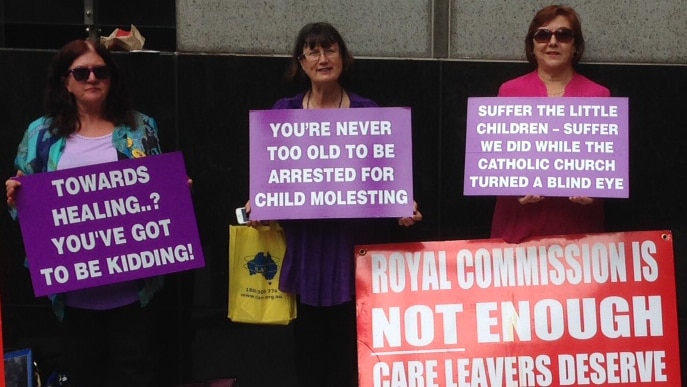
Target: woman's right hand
(11,186)
(254,223)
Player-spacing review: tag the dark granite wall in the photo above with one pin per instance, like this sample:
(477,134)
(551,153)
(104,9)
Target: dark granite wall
(202,104)
(48,24)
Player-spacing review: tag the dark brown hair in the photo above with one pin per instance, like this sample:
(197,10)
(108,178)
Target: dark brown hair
(312,35)
(544,16)
(60,105)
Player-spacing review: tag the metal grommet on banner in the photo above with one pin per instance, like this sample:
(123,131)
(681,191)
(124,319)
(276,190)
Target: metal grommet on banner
(666,237)
(362,252)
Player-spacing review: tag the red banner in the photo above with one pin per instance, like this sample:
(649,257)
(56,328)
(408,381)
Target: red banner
(561,311)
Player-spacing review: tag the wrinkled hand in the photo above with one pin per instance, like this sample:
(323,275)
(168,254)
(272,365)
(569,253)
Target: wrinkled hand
(530,199)
(254,223)
(410,220)
(11,186)
(581,200)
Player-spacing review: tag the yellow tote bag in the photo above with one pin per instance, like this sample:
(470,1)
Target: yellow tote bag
(255,259)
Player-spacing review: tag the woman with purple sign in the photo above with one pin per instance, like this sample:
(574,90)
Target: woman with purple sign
(107,331)
(553,45)
(319,262)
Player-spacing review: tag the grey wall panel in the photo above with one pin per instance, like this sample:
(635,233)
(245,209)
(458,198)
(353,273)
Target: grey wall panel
(618,31)
(381,28)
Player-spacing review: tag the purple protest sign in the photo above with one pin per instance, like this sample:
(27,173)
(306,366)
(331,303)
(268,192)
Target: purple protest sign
(571,146)
(108,223)
(331,163)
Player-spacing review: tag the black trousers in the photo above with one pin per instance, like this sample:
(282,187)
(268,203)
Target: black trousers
(326,346)
(108,348)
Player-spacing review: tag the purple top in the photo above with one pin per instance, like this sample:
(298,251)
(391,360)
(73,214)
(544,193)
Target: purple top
(515,222)
(104,297)
(296,102)
(78,152)
(319,264)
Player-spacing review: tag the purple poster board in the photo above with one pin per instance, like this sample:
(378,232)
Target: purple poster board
(108,223)
(331,163)
(569,146)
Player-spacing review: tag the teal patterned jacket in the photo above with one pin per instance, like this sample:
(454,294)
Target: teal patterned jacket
(40,151)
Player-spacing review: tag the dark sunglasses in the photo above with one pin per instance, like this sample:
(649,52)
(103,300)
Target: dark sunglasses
(563,35)
(81,74)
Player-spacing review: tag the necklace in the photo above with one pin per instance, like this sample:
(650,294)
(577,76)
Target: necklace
(555,83)
(307,102)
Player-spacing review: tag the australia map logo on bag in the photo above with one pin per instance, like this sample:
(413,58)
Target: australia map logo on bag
(263,263)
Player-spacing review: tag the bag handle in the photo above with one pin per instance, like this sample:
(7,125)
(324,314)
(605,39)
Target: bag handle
(272,225)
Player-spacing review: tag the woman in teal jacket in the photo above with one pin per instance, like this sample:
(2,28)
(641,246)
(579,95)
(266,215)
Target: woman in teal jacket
(107,330)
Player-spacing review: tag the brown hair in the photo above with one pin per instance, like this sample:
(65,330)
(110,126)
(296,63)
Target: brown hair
(544,16)
(312,35)
(60,105)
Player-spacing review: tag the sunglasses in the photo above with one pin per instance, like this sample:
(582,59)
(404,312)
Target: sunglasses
(563,35)
(81,74)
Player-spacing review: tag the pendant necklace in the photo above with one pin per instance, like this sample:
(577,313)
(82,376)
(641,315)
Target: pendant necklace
(307,103)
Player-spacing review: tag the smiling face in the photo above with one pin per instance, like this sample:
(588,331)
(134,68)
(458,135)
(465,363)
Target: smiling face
(322,65)
(555,55)
(92,92)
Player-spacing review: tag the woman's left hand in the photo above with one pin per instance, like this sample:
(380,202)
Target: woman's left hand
(410,220)
(530,199)
(11,186)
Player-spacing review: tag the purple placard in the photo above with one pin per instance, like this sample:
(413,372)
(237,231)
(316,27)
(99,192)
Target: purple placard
(108,223)
(331,163)
(547,146)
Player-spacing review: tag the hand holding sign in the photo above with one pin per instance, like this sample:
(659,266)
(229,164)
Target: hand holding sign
(11,186)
